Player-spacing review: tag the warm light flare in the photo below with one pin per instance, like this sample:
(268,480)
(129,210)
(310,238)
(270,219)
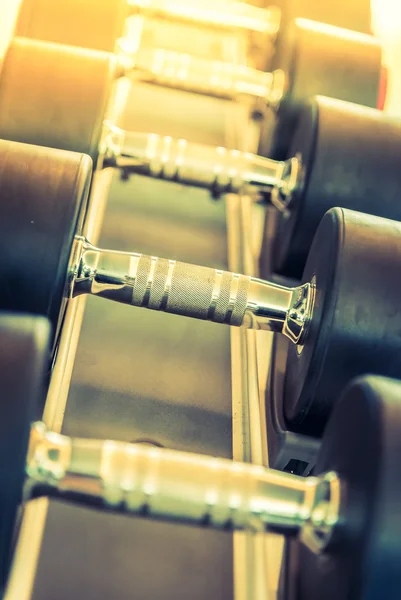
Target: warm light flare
(386,24)
(386,17)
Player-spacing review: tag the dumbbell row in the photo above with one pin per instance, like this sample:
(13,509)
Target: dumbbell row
(125,275)
(311,51)
(81,126)
(25,124)
(343,514)
(83,129)
(20,126)
(323,170)
(54,192)
(149,266)
(341,318)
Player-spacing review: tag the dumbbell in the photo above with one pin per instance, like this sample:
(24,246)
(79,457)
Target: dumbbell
(346,516)
(68,90)
(97,25)
(342,155)
(343,319)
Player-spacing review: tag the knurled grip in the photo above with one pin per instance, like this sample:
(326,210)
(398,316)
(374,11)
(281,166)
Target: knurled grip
(189,290)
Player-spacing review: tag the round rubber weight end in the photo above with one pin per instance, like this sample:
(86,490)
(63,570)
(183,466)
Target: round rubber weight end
(24,353)
(355,261)
(43,194)
(362,444)
(289,246)
(303,366)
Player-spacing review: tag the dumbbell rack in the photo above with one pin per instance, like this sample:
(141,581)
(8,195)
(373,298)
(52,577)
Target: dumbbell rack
(253,575)
(80,387)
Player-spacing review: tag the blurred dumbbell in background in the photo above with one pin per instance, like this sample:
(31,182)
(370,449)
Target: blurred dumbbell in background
(312,52)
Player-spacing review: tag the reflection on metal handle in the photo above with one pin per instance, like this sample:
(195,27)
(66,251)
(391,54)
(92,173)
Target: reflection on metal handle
(180,486)
(201,76)
(216,169)
(190,290)
(222,15)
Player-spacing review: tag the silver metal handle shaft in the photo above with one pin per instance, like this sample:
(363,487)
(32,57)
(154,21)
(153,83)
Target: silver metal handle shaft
(190,290)
(221,15)
(216,169)
(213,78)
(172,485)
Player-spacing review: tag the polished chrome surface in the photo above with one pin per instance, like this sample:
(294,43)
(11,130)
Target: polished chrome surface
(208,77)
(223,15)
(290,183)
(190,290)
(300,313)
(168,484)
(216,169)
(280,85)
(326,513)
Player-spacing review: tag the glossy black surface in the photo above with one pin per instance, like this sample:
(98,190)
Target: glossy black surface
(362,444)
(355,261)
(351,159)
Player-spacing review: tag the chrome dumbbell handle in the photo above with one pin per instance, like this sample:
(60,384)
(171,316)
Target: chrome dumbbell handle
(216,169)
(213,78)
(221,15)
(190,290)
(179,486)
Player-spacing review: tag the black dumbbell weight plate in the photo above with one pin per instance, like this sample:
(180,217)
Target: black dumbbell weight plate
(285,225)
(350,156)
(355,261)
(43,195)
(23,356)
(362,444)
